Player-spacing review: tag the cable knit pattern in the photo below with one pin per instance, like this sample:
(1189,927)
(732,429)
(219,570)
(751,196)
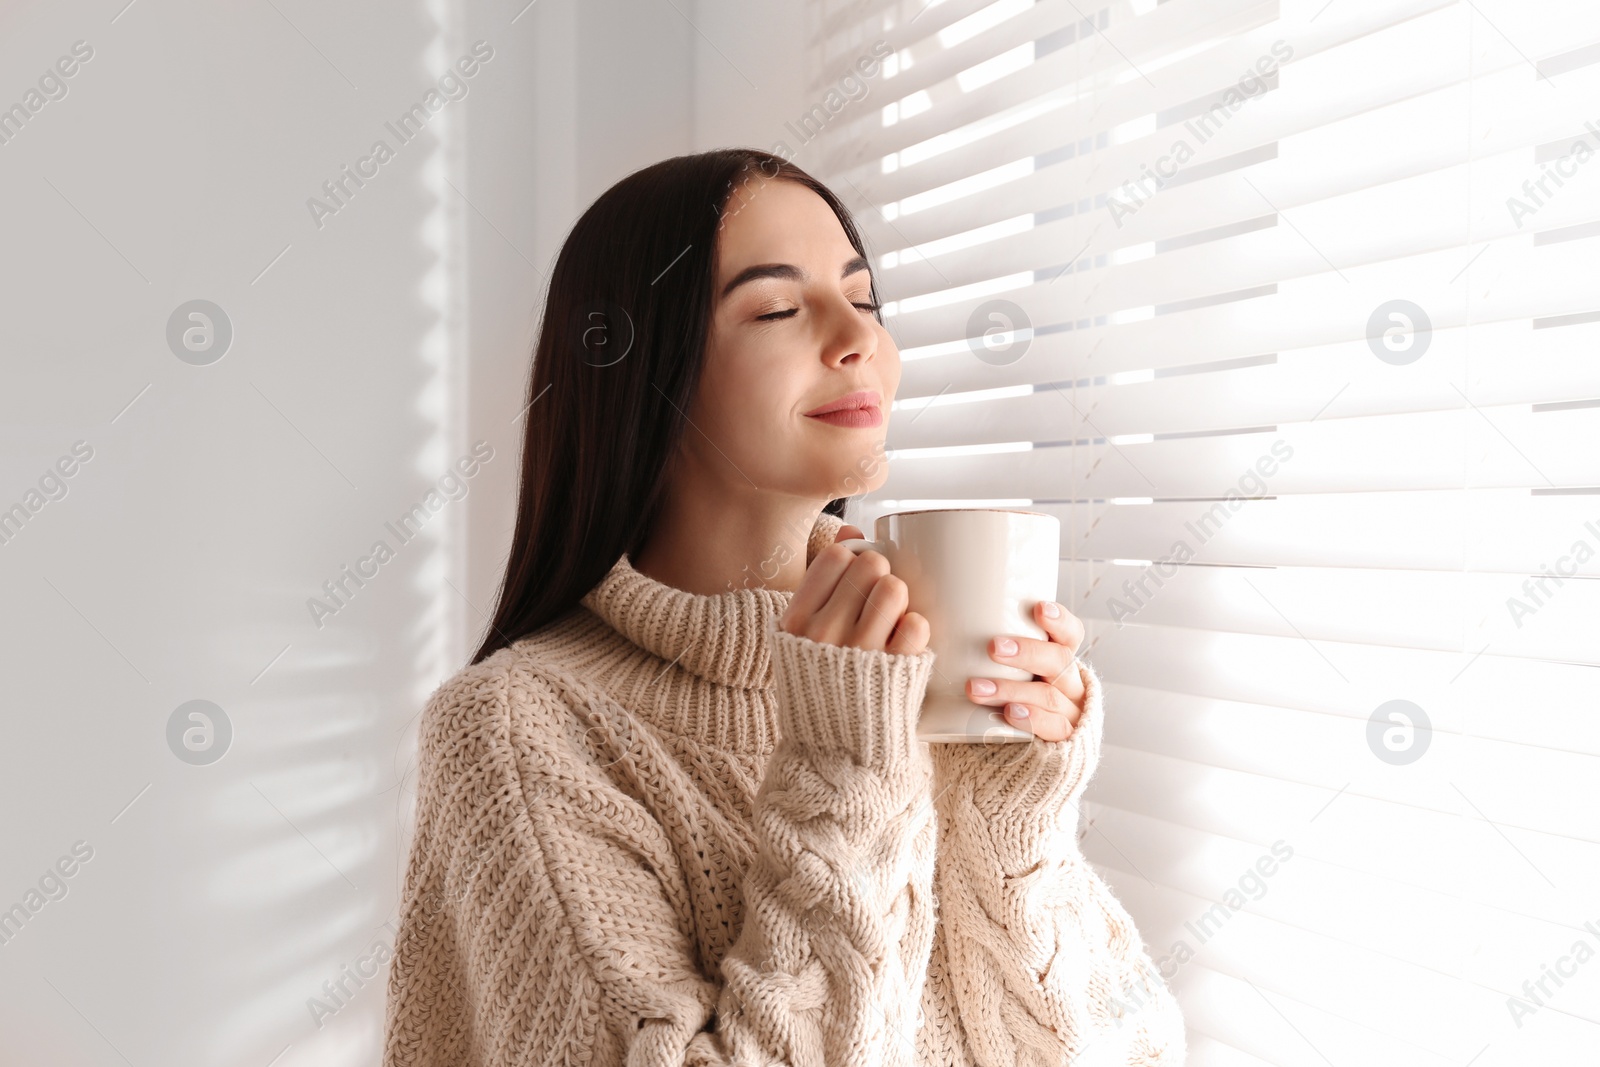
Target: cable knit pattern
(664,832)
(1044,965)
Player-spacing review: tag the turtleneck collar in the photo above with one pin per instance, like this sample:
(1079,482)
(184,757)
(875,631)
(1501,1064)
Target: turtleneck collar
(721,637)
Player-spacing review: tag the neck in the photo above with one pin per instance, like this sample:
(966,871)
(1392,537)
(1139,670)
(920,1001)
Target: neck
(705,544)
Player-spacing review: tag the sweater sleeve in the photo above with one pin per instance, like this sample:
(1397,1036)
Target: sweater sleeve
(544,917)
(1035,960)
(841,895)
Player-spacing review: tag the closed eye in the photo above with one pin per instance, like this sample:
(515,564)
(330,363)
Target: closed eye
(790,312)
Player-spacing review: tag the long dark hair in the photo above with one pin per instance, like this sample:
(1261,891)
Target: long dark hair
(619,356)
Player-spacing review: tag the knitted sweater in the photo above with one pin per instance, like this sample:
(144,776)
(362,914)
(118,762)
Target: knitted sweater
(662,831)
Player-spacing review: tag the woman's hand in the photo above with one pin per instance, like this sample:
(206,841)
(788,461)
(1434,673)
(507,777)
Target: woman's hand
(1051,704)
(853,600)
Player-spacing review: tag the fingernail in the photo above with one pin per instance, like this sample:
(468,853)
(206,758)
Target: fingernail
(982,687)
(1006,647)
(1018,711)
(1052,609)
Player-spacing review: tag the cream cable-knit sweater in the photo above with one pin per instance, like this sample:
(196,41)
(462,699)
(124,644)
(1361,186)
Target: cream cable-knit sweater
(664,832)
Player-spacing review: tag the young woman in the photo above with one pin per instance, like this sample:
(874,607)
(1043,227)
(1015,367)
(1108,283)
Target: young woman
(675,811)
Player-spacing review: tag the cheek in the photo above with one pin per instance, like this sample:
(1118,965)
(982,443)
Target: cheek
(889,359)
(747,392)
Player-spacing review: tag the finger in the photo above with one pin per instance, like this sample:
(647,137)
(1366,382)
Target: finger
(880,615)
(848,532)
(1051,716)
(839,617)
(1053,662)
(910,637)
(822,577)
(1043,658)
(1064,627)
(1042,725)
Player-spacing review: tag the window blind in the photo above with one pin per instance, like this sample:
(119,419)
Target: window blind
(1290,312)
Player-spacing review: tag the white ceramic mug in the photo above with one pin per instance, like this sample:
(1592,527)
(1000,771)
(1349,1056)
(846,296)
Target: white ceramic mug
(973,573)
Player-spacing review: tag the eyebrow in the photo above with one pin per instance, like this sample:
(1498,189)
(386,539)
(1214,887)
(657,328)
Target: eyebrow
(788,272)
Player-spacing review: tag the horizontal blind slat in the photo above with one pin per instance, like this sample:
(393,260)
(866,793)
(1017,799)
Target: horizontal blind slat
(1324,310)
(908,20)
(1514,360)
(1507,447)
(932,63)
(1259,220)
(1293,120)
(1339,381)
(1474,685)
(845,145)
(1558,284)
(1394,1000)
(1207,1051)
(1465,857)
(1088,113)
(1230,1008)
(1504,531)
(1311,895)
(1529,787)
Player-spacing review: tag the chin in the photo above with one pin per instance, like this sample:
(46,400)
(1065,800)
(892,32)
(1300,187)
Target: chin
(848,468)
(866,471)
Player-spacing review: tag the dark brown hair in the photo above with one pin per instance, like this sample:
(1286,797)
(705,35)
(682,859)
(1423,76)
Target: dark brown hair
(619,356)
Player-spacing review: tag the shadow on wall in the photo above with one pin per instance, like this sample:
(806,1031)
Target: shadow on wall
(213,787)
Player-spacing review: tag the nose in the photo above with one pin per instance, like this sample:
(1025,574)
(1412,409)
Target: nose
(853,336)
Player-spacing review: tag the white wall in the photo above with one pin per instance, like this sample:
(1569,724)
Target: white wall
(749,74)
(368,354)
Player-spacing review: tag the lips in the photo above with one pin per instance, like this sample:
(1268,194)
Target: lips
(854,418)
(859,410)
(865,398)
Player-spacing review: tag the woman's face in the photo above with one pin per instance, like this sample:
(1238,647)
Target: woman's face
(792,331)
